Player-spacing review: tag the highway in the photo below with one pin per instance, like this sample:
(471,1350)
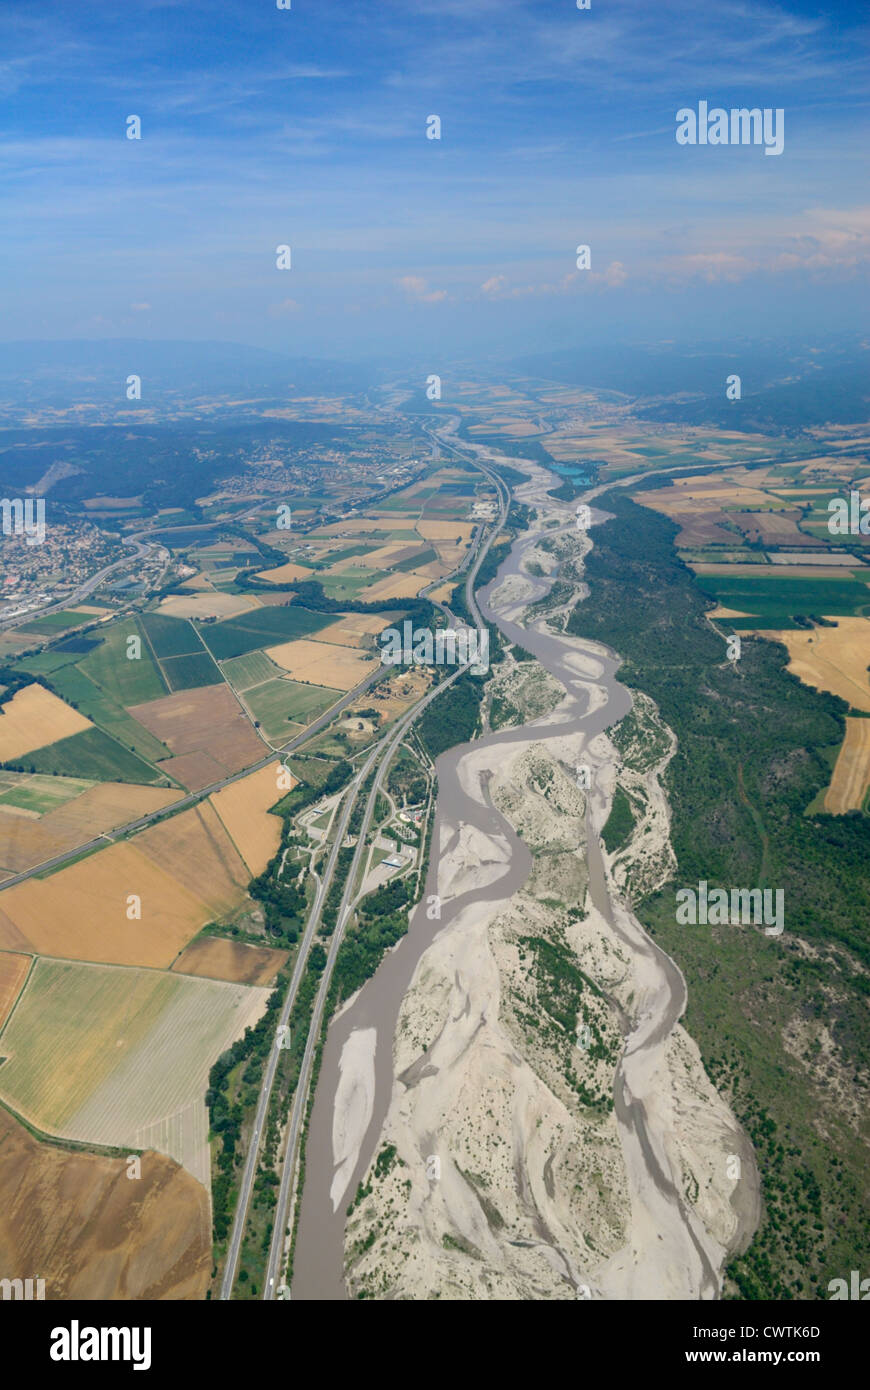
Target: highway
(300,1097)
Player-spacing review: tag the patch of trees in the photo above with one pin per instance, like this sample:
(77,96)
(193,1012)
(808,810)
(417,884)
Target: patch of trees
(406,780)
(753,753)
(226,1117)
(452,717)
(382,920)
(329,915)
(14,679)
(619,823)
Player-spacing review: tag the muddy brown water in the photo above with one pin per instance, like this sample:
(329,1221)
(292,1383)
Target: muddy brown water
(319,1256)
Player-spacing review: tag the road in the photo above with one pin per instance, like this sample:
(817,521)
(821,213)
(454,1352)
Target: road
(300,1097)
(192,798)
(83,591)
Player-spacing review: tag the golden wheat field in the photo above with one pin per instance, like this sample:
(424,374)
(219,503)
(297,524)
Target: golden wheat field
(80,912)
(27,842)
(196,850)
(321,663)
(33,718)
(832,658)
(852,771)
(445,530)
(282,574)
(357,629)
(207,605)
(243,808)
(395,586)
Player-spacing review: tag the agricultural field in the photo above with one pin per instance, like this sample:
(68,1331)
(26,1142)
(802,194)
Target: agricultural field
(774,596)
(283,707)
(91,1233)
(260,627)
(196,849)
(65,822)
(126,1059)
(851,779)
(206,605)
(184,662)
(35,718)
(92,754)
(13,973)
(185,871)
(102,709)
(125,681)
(243,807)
(358,629)
(218,958)
(53,623)
(396,586)
(832,658)
(206,731)
(322,663)
(352,584)
(36,795)
(244,672)
(168,636)
(284,574)
(190,672)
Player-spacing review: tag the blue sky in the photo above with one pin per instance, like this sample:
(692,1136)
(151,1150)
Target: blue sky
(307,127)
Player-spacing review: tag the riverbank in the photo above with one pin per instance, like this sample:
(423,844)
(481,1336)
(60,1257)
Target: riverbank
(518,1158)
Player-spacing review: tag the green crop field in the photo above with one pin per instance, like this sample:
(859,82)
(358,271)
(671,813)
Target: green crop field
(39,793)
(92,700)
(351,583)
(191,671)
(92,754)
(169,636)
(244,672)
(125,681)
(281,703)
(43,663)
(57,622)
(263,627)
(773,599)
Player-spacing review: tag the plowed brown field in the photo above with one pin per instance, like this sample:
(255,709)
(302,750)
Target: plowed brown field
(217,958)
(13,973)
(78,1222)
(207,721)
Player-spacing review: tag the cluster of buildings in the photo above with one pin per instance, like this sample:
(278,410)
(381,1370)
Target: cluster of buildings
(34,575)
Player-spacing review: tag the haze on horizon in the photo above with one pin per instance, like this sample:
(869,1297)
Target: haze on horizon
(307,127)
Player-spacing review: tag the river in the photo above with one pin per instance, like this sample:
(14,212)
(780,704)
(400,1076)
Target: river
(596,701)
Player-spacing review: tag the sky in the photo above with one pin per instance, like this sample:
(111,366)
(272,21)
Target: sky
(306,127)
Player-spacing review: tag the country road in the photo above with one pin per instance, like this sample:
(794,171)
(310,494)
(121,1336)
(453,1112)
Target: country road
(192,798)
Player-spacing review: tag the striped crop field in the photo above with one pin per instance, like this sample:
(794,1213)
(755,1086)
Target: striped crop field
(120,1056)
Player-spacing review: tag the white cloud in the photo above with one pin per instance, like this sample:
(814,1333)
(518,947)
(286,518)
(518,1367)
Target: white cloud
(417,288)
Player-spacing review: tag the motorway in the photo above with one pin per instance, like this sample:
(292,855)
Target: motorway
(300,1097)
